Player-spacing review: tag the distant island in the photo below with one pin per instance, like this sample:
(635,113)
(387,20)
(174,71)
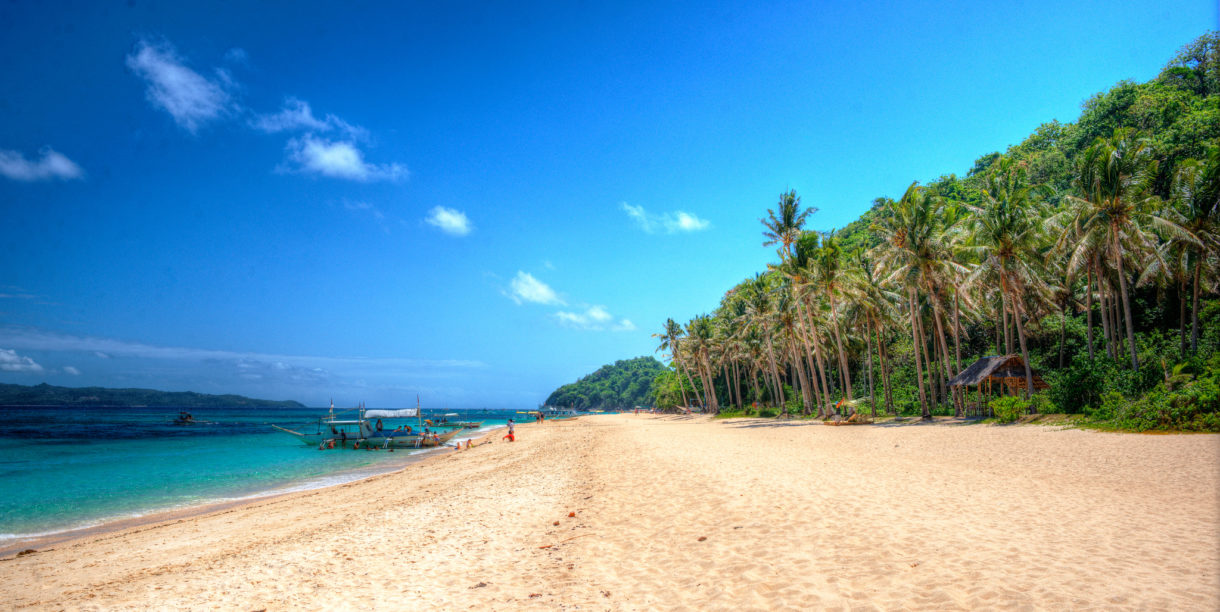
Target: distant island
(47,395)
(624,384)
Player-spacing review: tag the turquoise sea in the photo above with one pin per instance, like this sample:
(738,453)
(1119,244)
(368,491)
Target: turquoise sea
(71,468)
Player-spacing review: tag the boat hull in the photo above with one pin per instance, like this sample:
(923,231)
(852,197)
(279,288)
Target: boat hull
(401,441)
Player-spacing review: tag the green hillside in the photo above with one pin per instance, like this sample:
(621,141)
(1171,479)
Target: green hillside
(624,384)
(47,395)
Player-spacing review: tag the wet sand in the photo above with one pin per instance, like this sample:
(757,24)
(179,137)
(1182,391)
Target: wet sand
(646,512)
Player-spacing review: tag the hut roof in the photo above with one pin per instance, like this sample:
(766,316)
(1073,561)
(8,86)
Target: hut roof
(996,366)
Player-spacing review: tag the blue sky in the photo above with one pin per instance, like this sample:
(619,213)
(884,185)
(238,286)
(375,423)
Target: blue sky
(473,201)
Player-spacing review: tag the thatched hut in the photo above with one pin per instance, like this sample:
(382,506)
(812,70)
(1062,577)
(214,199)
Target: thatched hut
(984,374)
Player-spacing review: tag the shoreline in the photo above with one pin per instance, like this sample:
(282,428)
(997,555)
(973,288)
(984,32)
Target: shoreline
(109,525)
(628,512)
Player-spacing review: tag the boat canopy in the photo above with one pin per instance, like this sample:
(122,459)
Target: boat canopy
(401,413)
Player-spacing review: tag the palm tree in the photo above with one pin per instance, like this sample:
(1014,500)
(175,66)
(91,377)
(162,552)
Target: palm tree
(760,313)
(796,271)
(700,331)
(1007,233)
(787,320)
(1196,191)
(783,225)
(906,228)
(1116,212)
(875,306)
(669,342)
(827,264)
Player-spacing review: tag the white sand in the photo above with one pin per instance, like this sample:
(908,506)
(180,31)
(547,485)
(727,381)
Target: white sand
(795,515)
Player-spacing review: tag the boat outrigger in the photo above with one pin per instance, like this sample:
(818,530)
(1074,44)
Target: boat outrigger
(366,431)
(444,421)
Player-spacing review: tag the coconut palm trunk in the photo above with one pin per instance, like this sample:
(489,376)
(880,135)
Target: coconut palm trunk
(1122,284)
(779,389)
(803,331)
(737,383)
(695,389)
(868,354)
(885,376)
(1007,336)
(754,382)
(916,341)
(817,352)
(957,329)
(1105,317)
(1088,308)
(928,365)
(1194,310)
(1029,375)
(1015,304)
(940,331)
(1063,316)
(845,374)
(800,377)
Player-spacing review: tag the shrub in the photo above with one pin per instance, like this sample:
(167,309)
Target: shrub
(1008,409)
(1041,403)
(1175,404)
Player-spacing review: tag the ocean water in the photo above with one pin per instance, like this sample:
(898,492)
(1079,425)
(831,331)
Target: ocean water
(71,468)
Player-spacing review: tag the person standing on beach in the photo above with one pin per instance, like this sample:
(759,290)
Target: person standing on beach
(511,437)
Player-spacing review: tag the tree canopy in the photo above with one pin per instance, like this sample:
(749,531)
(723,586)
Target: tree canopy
(626,383)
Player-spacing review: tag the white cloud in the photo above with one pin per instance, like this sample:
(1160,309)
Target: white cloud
(53,165)
(598,314)
(237,55)
(526,288)
(594,318)
(10,361)
(189,97)
(685,222)
(364,207)
(339,159)
(670,223)
(297,116)
(451,221)
(71,370)
(13,292)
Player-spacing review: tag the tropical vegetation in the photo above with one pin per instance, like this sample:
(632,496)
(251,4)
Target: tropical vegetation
(625,384)
(1090,249)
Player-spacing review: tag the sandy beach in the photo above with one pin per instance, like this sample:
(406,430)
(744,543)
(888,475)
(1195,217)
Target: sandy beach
(640,512)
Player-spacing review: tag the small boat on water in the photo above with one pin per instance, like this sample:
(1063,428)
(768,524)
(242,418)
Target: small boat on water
(185,418)
(446,422)
(366,431)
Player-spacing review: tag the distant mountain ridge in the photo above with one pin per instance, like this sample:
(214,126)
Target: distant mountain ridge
(48,395)
(624,384)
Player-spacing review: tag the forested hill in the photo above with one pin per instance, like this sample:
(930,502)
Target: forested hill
(625,384)
(47,395)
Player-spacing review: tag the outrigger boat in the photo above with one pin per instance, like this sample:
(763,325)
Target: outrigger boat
(185,418)
(365,431)
(445,422)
